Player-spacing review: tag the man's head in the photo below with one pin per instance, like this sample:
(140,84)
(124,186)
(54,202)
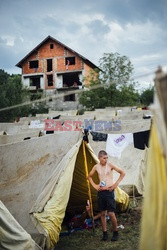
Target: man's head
(103,157)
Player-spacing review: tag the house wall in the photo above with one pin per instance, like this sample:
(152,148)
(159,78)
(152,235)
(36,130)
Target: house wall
(58,55)
(87,70)
(62,67)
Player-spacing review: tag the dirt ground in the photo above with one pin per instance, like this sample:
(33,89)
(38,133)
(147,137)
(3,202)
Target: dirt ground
(128,237)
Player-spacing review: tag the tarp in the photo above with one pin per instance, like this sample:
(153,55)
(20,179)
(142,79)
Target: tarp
(154,215)
(4,139)
(154,219)
(25,169)
(12,235)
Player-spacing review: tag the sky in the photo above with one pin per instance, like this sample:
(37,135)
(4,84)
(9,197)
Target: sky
(134,28)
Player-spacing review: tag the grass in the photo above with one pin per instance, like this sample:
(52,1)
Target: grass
(128,237)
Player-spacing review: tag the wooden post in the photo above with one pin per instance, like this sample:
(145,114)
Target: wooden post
(88,185)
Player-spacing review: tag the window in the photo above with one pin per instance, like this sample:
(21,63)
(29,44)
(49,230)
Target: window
(35,81)
(33,64)
(70,80)
(49,65)
(70,60)
(50,80)
(69,98)
(51,46)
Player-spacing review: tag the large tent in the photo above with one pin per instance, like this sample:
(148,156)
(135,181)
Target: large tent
(43,178)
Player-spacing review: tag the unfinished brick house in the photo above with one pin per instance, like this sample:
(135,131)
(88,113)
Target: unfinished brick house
(53,67)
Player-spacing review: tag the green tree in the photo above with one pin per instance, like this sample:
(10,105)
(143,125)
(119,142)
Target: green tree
(147,95)
(126,95)
(116,87)
(12,92)
(115,69)
(3,77)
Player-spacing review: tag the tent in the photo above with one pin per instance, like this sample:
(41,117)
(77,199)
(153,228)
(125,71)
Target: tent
(12,235)
(43,178)
(154,214)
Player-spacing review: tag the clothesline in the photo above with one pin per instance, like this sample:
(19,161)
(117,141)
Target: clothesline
(116,143)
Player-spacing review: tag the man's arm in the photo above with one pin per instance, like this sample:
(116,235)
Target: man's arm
(91,180)
(122,174)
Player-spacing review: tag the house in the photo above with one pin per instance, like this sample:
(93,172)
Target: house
(52,67)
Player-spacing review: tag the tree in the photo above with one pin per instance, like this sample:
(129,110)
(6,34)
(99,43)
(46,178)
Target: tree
(126,95)
(146,96)
(116,87)
(115,69)
(12,92)
(4,76)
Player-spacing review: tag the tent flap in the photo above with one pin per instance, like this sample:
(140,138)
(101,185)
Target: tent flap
(12,235)
(53,214)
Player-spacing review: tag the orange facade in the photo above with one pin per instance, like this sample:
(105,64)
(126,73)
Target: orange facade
(51,58)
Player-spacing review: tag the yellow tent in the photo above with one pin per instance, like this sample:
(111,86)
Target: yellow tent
(154,217)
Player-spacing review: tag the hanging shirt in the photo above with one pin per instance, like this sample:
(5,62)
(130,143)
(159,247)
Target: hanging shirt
(116,143)
(141,139)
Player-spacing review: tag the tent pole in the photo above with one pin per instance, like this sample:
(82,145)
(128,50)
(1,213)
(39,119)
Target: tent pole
(88,184)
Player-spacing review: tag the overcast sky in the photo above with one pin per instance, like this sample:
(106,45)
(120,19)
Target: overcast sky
(135,28)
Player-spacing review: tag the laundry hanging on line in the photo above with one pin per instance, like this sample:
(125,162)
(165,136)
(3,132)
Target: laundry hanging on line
(141,139)
(99,136)
(116,143)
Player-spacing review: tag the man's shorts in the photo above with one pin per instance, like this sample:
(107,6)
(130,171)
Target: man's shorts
(106,201)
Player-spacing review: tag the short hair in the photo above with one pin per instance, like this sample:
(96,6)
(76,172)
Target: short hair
(101,153)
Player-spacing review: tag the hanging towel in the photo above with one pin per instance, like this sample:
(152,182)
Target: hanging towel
(116,143)
(141,139)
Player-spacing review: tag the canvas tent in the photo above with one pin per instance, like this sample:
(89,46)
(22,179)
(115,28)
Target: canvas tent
(44,177)
(12,235)
(154,214)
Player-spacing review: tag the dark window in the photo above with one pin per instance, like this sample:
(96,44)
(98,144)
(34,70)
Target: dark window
(71,80)
(69,98)
(33,64)
(51,46)
(35,81)
(49,65)
(70,60)
(50,80)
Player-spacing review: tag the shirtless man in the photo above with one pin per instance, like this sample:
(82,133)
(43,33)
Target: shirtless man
(106,197)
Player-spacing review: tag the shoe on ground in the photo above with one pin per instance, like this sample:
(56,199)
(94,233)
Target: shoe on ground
(115,236)
(105,236)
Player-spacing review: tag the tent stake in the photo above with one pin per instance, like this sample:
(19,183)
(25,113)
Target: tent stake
(88,184)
